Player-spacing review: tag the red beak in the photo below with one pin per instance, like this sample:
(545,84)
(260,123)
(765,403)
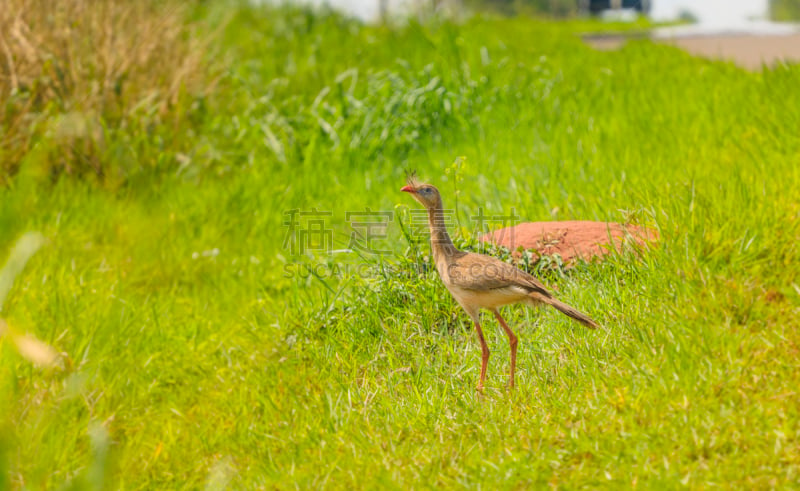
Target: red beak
(407,189)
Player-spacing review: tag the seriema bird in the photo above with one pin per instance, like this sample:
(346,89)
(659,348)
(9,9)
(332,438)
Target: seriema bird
(478,281)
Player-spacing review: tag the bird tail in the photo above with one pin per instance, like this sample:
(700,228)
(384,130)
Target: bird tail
(572,313)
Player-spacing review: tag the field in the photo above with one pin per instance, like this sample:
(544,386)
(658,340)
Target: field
(203,344)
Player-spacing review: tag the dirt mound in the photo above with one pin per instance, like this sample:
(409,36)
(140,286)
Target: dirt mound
(571,240)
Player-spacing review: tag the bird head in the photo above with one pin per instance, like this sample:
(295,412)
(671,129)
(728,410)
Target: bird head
(427,194)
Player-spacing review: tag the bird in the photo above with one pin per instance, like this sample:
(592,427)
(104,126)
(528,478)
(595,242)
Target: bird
(478,281)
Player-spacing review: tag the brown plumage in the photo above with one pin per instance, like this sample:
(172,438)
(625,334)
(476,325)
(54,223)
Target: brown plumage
(477,281)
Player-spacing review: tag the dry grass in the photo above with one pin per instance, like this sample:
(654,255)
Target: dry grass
(72,71)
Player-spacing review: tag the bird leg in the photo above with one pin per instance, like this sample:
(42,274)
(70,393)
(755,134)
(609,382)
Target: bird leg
(484,354)
(512,341)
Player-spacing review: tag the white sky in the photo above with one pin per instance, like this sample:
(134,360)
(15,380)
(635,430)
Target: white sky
(712,12)
(718,13)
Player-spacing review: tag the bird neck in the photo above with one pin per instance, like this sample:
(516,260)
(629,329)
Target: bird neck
(440,240)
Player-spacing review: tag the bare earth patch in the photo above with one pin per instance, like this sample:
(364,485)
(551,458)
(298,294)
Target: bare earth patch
(572,240)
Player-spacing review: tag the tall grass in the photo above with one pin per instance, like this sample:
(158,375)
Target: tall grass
(86,81)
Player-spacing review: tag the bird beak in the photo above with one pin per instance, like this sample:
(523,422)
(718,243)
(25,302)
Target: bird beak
(407,189)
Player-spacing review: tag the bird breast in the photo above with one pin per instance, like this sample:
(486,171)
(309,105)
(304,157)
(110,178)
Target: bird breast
(489,299)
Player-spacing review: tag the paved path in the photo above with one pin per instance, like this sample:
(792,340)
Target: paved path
(750,50)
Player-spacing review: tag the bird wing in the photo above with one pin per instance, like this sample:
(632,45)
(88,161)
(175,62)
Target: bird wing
(478,272)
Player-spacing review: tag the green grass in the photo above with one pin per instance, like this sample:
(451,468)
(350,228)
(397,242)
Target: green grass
(193,360)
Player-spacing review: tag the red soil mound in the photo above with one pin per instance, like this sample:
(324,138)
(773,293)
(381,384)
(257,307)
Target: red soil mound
(571,240)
